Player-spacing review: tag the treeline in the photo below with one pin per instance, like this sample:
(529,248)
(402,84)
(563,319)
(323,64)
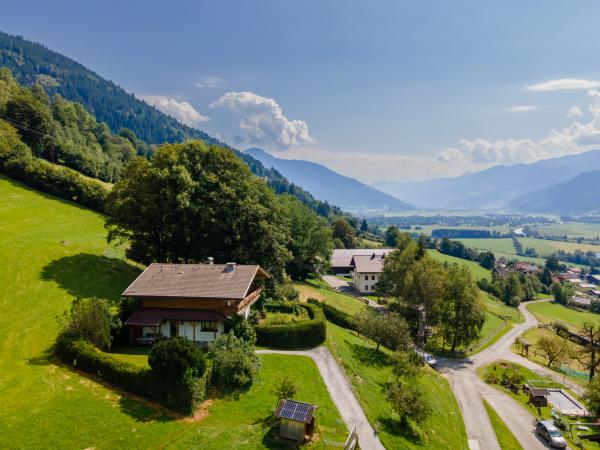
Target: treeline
(454,221)
(456,233)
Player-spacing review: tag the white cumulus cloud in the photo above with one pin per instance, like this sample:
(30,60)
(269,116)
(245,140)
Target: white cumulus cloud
(208,82)
(564,84)
(574,111)
(522,108)
(450,154)
(251,119)
(576,138)
(179,109)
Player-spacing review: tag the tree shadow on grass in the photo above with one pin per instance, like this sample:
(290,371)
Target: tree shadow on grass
(408,432)
(89,275)
(368,356)
(141,412)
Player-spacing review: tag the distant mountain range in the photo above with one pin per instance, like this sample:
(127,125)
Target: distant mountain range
(348,193)
(31,62)
(497,188)
(576,196)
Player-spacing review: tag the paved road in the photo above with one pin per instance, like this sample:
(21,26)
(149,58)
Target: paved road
(469,390)
(341,393)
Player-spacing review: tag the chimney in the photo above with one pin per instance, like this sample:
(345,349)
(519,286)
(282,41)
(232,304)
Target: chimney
(230,267)
(210,260)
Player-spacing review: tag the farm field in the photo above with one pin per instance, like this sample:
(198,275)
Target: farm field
(368,373)
(52,251)
(502,245)
(547,312)
(477,271)
(571,229)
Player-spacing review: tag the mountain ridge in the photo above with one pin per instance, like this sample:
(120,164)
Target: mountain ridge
(347,192)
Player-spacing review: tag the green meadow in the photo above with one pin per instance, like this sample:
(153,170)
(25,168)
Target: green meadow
(52,251)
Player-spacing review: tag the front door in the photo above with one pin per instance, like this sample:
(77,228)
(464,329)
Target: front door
(173,329)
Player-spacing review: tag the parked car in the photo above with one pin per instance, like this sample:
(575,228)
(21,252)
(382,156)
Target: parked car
(549,433)
(147,339)
(427,358)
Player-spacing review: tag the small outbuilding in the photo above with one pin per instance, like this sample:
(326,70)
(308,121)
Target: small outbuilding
(538,396)
(297,419)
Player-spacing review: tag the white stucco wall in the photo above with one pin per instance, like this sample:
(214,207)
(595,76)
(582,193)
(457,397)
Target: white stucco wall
(365,282)
(186,330)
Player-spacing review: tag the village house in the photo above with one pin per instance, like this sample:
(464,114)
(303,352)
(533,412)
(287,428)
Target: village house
(528,269)
(191,300)
(366,273)
(340,260)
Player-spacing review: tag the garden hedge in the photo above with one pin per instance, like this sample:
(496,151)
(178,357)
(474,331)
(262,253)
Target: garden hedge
(305,334)
(334,315)
(183,396)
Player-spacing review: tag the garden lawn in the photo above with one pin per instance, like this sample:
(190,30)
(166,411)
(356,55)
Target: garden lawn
(506,439)
(368,373)
(477,271)
(319,290)
(51,251)
(547,312)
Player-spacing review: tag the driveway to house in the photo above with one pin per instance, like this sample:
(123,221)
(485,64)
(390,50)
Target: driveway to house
(469,390)
(346,288)
(340,391)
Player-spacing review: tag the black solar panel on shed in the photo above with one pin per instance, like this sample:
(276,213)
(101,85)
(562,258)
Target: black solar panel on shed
(298,411)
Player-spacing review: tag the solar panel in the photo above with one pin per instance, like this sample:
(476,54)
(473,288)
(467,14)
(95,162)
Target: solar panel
(294,411)
(301,412)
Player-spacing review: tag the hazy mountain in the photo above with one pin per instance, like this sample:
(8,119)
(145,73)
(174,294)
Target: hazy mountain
(348,193)
(494,188)
(575,196)
(31,62)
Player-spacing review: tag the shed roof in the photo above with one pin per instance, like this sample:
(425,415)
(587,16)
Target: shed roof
(342,257)
(368,263)
(296,411)
(152,317)
(228,281)
(539,392)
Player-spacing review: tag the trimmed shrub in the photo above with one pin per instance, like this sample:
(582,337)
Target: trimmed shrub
(309,333)
(183,395)
(334,315)
(234,361)
(173,358)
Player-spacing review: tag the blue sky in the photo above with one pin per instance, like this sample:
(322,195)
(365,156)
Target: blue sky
(379,90)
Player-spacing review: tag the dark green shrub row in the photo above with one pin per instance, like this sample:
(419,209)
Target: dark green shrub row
(309,333)
(183,396)
(56,180)
(334,315)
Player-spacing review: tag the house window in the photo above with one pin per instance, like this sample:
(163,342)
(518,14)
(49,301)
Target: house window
(366,287)
(208,325)
(372,277)
(366,277)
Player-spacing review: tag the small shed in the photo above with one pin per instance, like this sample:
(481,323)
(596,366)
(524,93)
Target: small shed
(297,419)
(538,396)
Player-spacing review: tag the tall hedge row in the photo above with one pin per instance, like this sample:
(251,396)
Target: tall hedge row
(56,180)
(334,315)
(308,333)
(183,396)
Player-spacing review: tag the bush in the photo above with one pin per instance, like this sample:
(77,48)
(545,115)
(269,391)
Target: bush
(89,319)
(234,361)
(56,180)
(173,358)
(183,395)
(334,315)
(309,333)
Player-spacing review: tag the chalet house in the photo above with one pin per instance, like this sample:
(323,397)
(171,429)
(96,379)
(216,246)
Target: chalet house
(341,258)
(191,300)
(528,269)
(367,270)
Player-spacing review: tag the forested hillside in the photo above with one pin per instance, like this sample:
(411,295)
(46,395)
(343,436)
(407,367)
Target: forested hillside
(32,63)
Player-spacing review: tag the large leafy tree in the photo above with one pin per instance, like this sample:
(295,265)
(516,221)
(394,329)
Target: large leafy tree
(193,201)
(345,232)
(462,317)
(310,238)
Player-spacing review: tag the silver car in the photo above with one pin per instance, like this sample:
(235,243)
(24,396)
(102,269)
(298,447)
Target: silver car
(549,433)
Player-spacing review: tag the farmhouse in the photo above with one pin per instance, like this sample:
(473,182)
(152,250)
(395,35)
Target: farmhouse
(341,258)
(191,300)
(367,269)
(528,269)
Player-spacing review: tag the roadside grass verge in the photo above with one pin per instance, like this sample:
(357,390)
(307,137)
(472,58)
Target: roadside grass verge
(547,312)
(506,439)
(369,372)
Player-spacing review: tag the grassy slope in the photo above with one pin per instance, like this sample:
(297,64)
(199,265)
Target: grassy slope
(550,312)
(51,251)
(369,372)
(321,291)
(506,439)
(477,271)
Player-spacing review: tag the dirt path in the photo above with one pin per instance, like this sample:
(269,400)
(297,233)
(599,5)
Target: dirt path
(341,393)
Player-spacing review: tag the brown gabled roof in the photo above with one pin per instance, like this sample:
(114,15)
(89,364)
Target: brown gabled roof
(368,264)
(195,281)
(343,257)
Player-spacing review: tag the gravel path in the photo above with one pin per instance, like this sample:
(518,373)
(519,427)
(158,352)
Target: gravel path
(341,393)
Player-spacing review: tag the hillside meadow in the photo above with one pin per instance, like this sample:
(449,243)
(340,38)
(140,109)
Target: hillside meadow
(53,251)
